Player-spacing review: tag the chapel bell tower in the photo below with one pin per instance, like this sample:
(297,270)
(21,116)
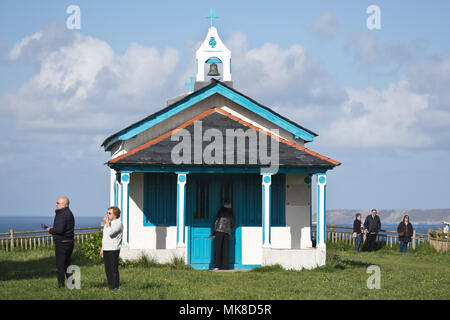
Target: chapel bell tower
(213,58)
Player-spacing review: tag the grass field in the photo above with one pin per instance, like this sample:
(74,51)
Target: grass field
(423,274)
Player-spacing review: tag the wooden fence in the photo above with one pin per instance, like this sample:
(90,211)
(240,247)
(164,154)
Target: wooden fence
(388,237)
(29,240)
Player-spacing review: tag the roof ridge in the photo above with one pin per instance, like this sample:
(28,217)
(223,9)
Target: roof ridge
(293,144)
(231,116)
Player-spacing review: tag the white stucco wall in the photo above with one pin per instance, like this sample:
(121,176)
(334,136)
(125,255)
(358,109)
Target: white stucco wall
(296,259)
(251,245)
(298,204)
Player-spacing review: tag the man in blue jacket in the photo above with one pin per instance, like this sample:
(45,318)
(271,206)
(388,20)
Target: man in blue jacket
(63,233)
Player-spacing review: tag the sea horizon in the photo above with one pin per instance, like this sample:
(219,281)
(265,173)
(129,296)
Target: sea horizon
(33,223)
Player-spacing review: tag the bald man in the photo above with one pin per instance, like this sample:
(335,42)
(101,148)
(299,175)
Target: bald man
(63,231)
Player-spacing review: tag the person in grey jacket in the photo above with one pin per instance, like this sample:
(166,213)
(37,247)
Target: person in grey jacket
(111,243)
(222,230)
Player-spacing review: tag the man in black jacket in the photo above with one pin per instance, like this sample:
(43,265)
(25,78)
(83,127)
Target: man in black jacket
(63,232)
(372,224)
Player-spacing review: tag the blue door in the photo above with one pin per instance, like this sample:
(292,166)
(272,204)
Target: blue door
(206,193)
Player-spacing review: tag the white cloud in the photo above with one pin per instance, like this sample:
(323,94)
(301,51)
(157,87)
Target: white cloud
(35,47)
(325,25)
(381,118)
(83,86)
(372,55)
(282,77)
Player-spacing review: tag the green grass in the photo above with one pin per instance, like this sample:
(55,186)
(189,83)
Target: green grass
(420,274)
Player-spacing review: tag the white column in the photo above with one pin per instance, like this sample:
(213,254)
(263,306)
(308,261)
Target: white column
(321,209)
(112,187)
(266,182)
(181,205)
(125,207)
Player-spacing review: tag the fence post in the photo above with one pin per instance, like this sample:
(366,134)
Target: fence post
(12,237)
(333,235)
(414,240)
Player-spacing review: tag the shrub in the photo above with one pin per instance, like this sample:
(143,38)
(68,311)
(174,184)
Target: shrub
(92,246)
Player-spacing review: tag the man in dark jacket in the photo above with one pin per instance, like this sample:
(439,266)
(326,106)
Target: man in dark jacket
(372,224)
(222,231)
(63,232)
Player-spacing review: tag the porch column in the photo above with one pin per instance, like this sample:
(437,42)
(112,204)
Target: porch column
(181,205)
(124,204)
(321,207)
(266,182)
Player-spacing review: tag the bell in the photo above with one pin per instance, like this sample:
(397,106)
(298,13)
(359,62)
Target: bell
(213,70)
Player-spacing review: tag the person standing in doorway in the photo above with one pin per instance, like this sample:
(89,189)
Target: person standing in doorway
(358,231)
(222,230)
(372,226)
(111,243)
(63,237)
(405,232)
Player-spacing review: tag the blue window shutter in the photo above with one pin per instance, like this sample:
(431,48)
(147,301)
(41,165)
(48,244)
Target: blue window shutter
(278,199)
(160,199)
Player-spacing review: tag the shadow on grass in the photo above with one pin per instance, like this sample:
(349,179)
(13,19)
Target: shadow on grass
(336,262)
(38,265)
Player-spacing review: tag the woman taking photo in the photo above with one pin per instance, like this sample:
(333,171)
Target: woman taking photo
(111,243)
(405,232)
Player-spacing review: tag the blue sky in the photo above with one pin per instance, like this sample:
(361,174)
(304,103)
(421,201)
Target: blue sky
(377,98)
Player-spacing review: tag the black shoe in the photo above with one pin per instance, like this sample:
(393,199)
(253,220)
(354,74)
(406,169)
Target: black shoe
(61,285)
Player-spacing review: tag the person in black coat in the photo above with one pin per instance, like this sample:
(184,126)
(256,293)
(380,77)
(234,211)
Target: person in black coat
(357,231)
(372,225)
(405,232)
(63,237)
(222,230)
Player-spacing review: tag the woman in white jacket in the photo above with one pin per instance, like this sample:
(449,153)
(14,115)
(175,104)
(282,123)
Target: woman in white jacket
(111,243)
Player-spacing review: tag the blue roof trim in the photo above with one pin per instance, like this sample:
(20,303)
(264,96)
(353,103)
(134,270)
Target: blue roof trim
(131,132)
(296,131)
(202,94)
(214,60)
(215,169)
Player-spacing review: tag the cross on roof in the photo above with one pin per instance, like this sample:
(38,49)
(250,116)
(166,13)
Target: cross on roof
(212,16)
(190,84)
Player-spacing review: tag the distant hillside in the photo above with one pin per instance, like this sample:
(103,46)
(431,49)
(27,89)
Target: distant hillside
(346,216)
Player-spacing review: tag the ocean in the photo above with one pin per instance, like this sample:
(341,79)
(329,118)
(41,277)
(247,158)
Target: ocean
(33,223)
(420,228)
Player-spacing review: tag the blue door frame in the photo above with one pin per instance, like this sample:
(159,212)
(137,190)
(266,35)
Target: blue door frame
(245,195)
(205,195)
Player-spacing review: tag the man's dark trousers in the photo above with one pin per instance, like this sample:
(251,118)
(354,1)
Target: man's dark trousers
(222,250)
(371,241)
(111,259)
(63,253)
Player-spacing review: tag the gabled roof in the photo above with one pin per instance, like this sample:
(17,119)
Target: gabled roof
(201,94)
(158,150)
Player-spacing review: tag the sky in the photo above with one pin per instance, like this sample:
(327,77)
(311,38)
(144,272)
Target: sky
(378,98)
